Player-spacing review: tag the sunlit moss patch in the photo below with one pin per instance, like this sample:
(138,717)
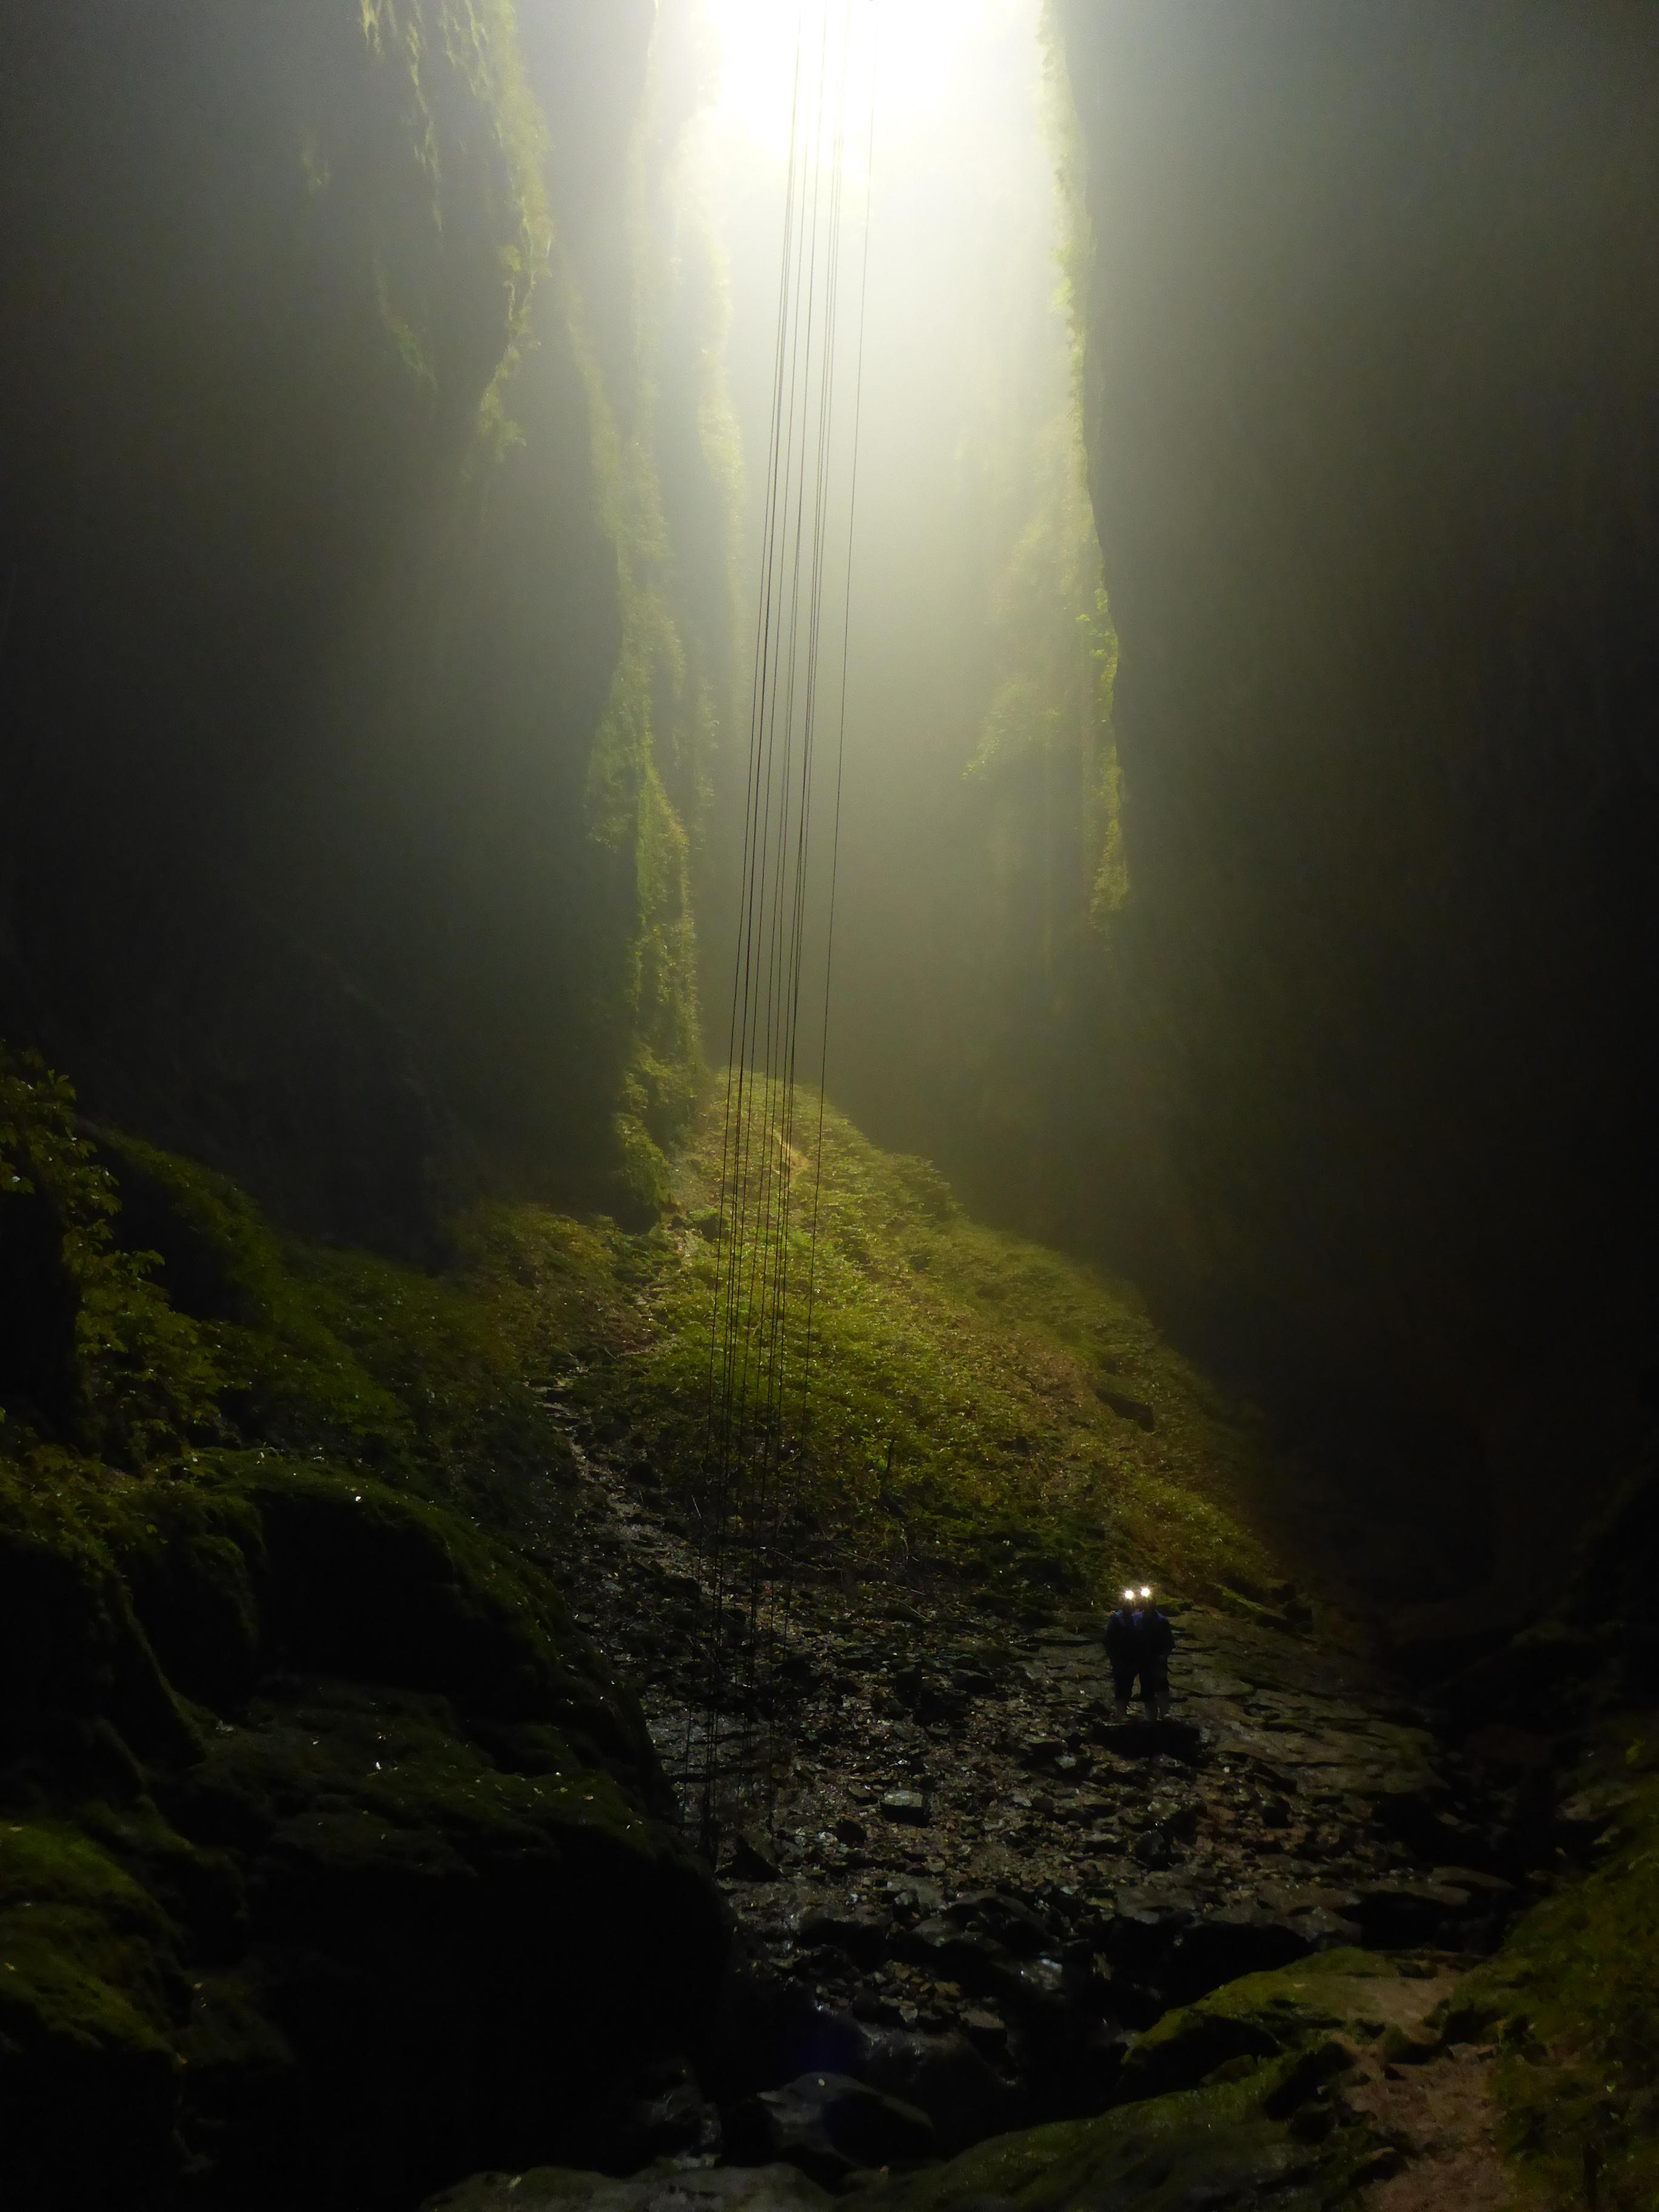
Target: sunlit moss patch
(973,1397)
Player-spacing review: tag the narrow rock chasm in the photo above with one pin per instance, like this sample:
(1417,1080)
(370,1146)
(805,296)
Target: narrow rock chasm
(820,824)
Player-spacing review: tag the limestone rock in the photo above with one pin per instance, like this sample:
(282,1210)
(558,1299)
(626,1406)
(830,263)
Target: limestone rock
(909,1807)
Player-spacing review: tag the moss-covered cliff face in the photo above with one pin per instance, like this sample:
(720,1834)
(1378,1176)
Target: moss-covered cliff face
(345,696)
(1371,341)
(332,1862)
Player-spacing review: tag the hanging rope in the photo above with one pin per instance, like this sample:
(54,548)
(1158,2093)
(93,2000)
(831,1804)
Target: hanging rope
(765,1268)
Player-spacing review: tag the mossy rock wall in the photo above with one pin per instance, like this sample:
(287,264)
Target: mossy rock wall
(331,563)
(329,1865)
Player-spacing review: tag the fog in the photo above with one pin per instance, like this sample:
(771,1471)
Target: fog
(964,759)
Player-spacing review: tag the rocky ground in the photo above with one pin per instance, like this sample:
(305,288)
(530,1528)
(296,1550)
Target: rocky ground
(963,1889)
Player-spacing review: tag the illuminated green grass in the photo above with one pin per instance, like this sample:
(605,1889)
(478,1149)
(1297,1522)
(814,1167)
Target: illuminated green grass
(973,1397)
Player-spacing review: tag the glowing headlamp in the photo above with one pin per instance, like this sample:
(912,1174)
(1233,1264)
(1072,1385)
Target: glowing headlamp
(1128,1597)
(1145,1589)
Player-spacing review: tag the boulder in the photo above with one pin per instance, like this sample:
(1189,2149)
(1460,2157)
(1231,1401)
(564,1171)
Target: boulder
(962,2093)
(830,2126)
(862,1931)
(662,2114)
(1397,1914)
(909,1807)
(1006,1920)
(752,1859)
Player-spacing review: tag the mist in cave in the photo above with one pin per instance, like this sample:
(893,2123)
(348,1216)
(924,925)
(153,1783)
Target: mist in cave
(979,857)
(828,1362)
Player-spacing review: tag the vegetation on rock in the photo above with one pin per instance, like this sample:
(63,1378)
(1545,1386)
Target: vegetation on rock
(1571,2001)
(303,1769)
(973,1398)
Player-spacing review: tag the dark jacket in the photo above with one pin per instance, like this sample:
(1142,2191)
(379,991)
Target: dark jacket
(1123,1641)
(1154,1636)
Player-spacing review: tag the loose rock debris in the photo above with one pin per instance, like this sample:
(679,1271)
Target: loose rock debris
(961,1882)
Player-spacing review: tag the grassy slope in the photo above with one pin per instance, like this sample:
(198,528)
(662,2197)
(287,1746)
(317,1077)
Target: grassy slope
(962,1405)
(978,1402)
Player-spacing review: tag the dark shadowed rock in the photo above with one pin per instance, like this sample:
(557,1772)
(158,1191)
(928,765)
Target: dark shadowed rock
(752,1859)
(769,2027)
(663,2114)
(663,2189)
(830,2126)
(1174,1739)
(1398,1913)
(1236,1939)
(964,2096)
(861,1931)
(1006,1920)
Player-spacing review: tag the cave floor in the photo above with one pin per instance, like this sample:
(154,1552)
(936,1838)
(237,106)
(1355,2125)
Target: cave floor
(965,1854)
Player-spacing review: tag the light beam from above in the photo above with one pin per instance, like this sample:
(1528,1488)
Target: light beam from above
(922,45)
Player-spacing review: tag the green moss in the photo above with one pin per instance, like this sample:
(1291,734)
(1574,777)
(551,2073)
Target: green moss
(973,1394)
(349,1779)
(341,1355)
(1573,2003)
(404,1771)
(474,139)
(961,1377)
(1232,2104)
(1220,2144)
(1259,2016)
(83,1949)
(640,843)
(144,1381)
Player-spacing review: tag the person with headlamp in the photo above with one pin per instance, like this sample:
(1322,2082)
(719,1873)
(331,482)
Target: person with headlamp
(1139,1641)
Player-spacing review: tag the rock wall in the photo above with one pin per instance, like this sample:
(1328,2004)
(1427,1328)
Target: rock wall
(329,1868)
(350,751)
(1371,329)
(332,1862)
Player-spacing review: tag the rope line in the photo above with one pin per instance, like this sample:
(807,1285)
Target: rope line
(762,1308)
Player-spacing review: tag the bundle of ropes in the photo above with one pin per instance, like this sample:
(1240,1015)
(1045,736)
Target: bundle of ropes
(761,1323)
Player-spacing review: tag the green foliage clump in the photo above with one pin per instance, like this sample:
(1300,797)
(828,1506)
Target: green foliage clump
(235,1335)
(344,1356)
(147,1381)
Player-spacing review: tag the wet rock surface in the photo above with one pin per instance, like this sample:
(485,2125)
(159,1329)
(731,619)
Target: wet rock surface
(960,1880)
(1283,2089)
